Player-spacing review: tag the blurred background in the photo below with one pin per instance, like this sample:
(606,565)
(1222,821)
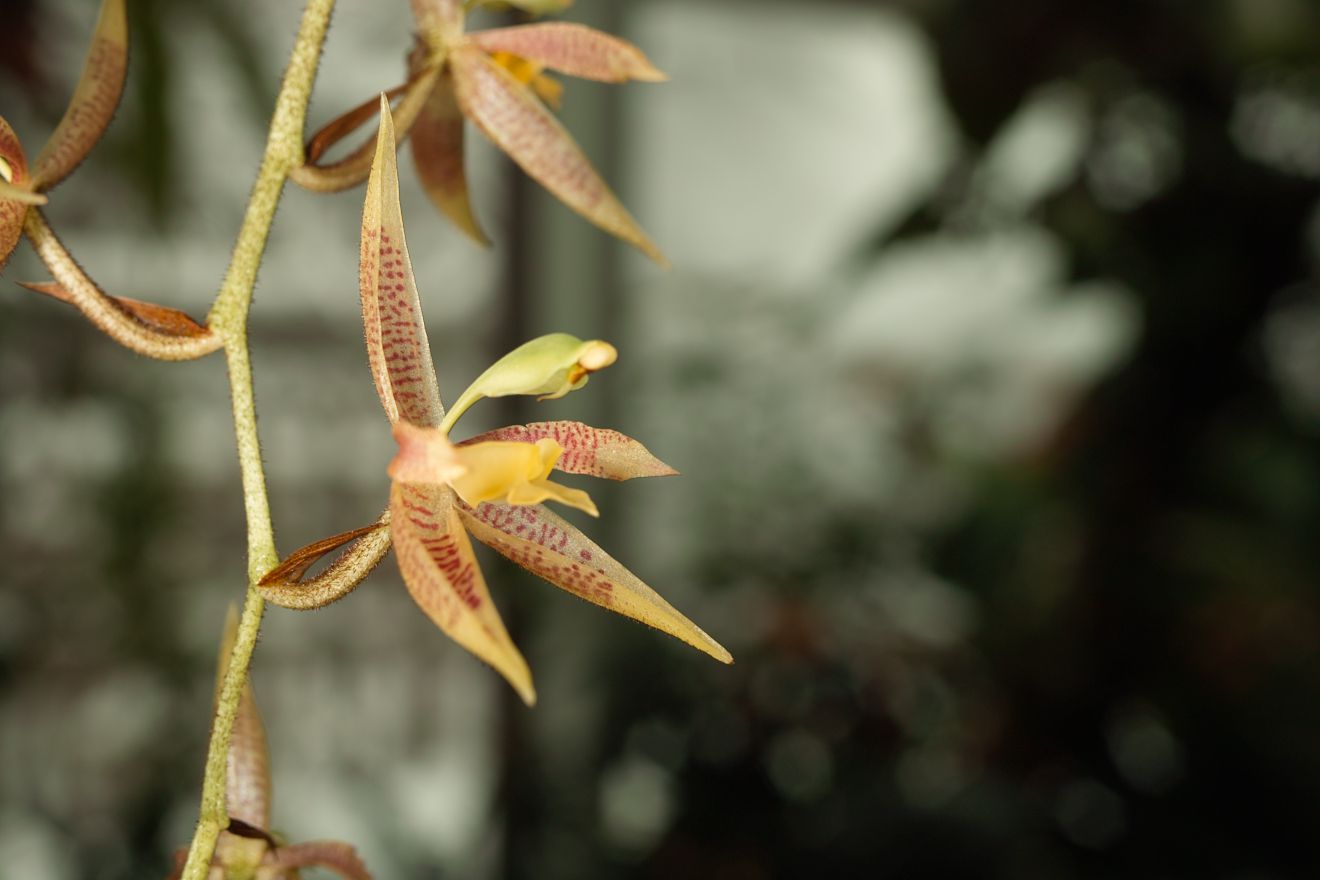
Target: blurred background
(990,357)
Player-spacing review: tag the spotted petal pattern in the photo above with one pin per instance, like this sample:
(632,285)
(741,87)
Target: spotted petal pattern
(436,559)
(520,125)
(548,546)
(598,452)
(397,348)
(438,151)
(574,49)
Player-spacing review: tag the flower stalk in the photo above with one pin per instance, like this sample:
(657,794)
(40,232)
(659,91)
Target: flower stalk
(229,318)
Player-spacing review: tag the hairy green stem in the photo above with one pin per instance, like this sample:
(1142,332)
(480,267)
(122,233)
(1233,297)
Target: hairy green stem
(229,317)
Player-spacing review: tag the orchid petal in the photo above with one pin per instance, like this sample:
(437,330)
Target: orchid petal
(574,49)
(13,192)
(284,585)
(515,473)
(598,452)
(438,152)
(436,559)
(548,546)
(332,855)
(247,791)
(549,366)
(93,102)
(425,456)
(397,347)
(508,113)
(163,319)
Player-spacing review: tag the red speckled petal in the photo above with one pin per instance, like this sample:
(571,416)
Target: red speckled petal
(436,559)
(598,452)
(332,855)
(574,49)
(397,348)
(546,545)
(94,99)
(512,117)
(438,151)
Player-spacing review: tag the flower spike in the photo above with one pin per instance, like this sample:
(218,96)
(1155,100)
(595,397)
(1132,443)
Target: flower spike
(94,99)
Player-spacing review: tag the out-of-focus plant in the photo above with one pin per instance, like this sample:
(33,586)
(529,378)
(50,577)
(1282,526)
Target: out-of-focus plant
(490,486)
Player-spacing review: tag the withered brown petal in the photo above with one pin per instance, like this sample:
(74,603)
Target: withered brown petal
(397,348)
(438,153)
(163,319)
(437,563)
(94,99)
(511,116)
(598,452)
(284,584)
(574,49)
(547,545)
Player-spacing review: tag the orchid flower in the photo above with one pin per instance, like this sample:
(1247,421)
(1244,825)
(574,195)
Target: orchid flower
(491,486)
(150,329)
(247,848)
(496,79)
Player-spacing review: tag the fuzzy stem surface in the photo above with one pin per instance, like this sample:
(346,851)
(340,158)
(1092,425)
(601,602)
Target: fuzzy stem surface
(229,318)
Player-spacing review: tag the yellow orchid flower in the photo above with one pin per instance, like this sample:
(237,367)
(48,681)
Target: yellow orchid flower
(150,329)
(247,848)
(490,486)
(496,79)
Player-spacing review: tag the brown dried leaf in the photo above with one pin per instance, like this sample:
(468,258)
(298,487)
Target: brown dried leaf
(438,153)
(548,546)
(512,117)
(94,99)
(574,49)
(162,319)
(598,452)
(397,348)
(436,559)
